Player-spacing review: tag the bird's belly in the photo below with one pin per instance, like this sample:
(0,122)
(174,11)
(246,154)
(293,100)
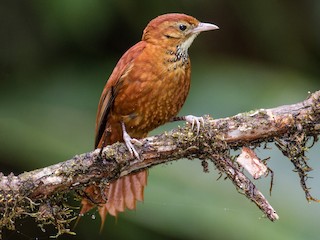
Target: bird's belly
(157,102)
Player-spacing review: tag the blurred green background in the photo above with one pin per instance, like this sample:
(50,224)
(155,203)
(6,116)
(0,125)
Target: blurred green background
(56,55)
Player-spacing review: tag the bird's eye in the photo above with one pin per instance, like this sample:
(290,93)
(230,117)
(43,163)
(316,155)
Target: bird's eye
(182,27)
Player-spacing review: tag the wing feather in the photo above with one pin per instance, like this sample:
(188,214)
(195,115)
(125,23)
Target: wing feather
(112,87)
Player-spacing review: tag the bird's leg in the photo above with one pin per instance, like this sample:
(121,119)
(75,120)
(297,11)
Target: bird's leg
(130,141)
(193,120)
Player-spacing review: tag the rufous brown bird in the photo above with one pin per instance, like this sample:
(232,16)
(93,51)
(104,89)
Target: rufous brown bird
(146,89)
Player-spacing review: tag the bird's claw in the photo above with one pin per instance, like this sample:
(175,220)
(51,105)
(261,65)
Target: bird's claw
(129,141)
(136,141)
(194,120)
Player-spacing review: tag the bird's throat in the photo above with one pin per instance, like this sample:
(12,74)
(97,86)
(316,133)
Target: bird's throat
(181,53)
(182,49)
(177,57)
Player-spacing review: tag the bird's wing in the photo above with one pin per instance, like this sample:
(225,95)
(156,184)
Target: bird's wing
(112,88)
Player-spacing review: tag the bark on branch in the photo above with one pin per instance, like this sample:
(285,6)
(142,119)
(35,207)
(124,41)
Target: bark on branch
(41,193)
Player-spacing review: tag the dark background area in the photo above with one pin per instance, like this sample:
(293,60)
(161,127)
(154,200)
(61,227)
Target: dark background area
(56,55)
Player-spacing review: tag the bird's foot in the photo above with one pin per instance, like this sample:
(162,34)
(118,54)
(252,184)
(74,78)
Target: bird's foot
(194,121)
(129,141)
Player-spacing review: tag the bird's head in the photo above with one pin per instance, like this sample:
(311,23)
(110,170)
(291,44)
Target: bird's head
(174,29)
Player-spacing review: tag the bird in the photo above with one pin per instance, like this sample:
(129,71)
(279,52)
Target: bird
(146,89)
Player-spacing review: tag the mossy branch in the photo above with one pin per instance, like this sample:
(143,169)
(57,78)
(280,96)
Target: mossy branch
(41,193)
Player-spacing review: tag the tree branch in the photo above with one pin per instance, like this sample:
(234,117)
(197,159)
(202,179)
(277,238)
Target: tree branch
(41,193)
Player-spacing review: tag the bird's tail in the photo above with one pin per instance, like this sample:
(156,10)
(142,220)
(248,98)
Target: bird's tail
(120,195)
